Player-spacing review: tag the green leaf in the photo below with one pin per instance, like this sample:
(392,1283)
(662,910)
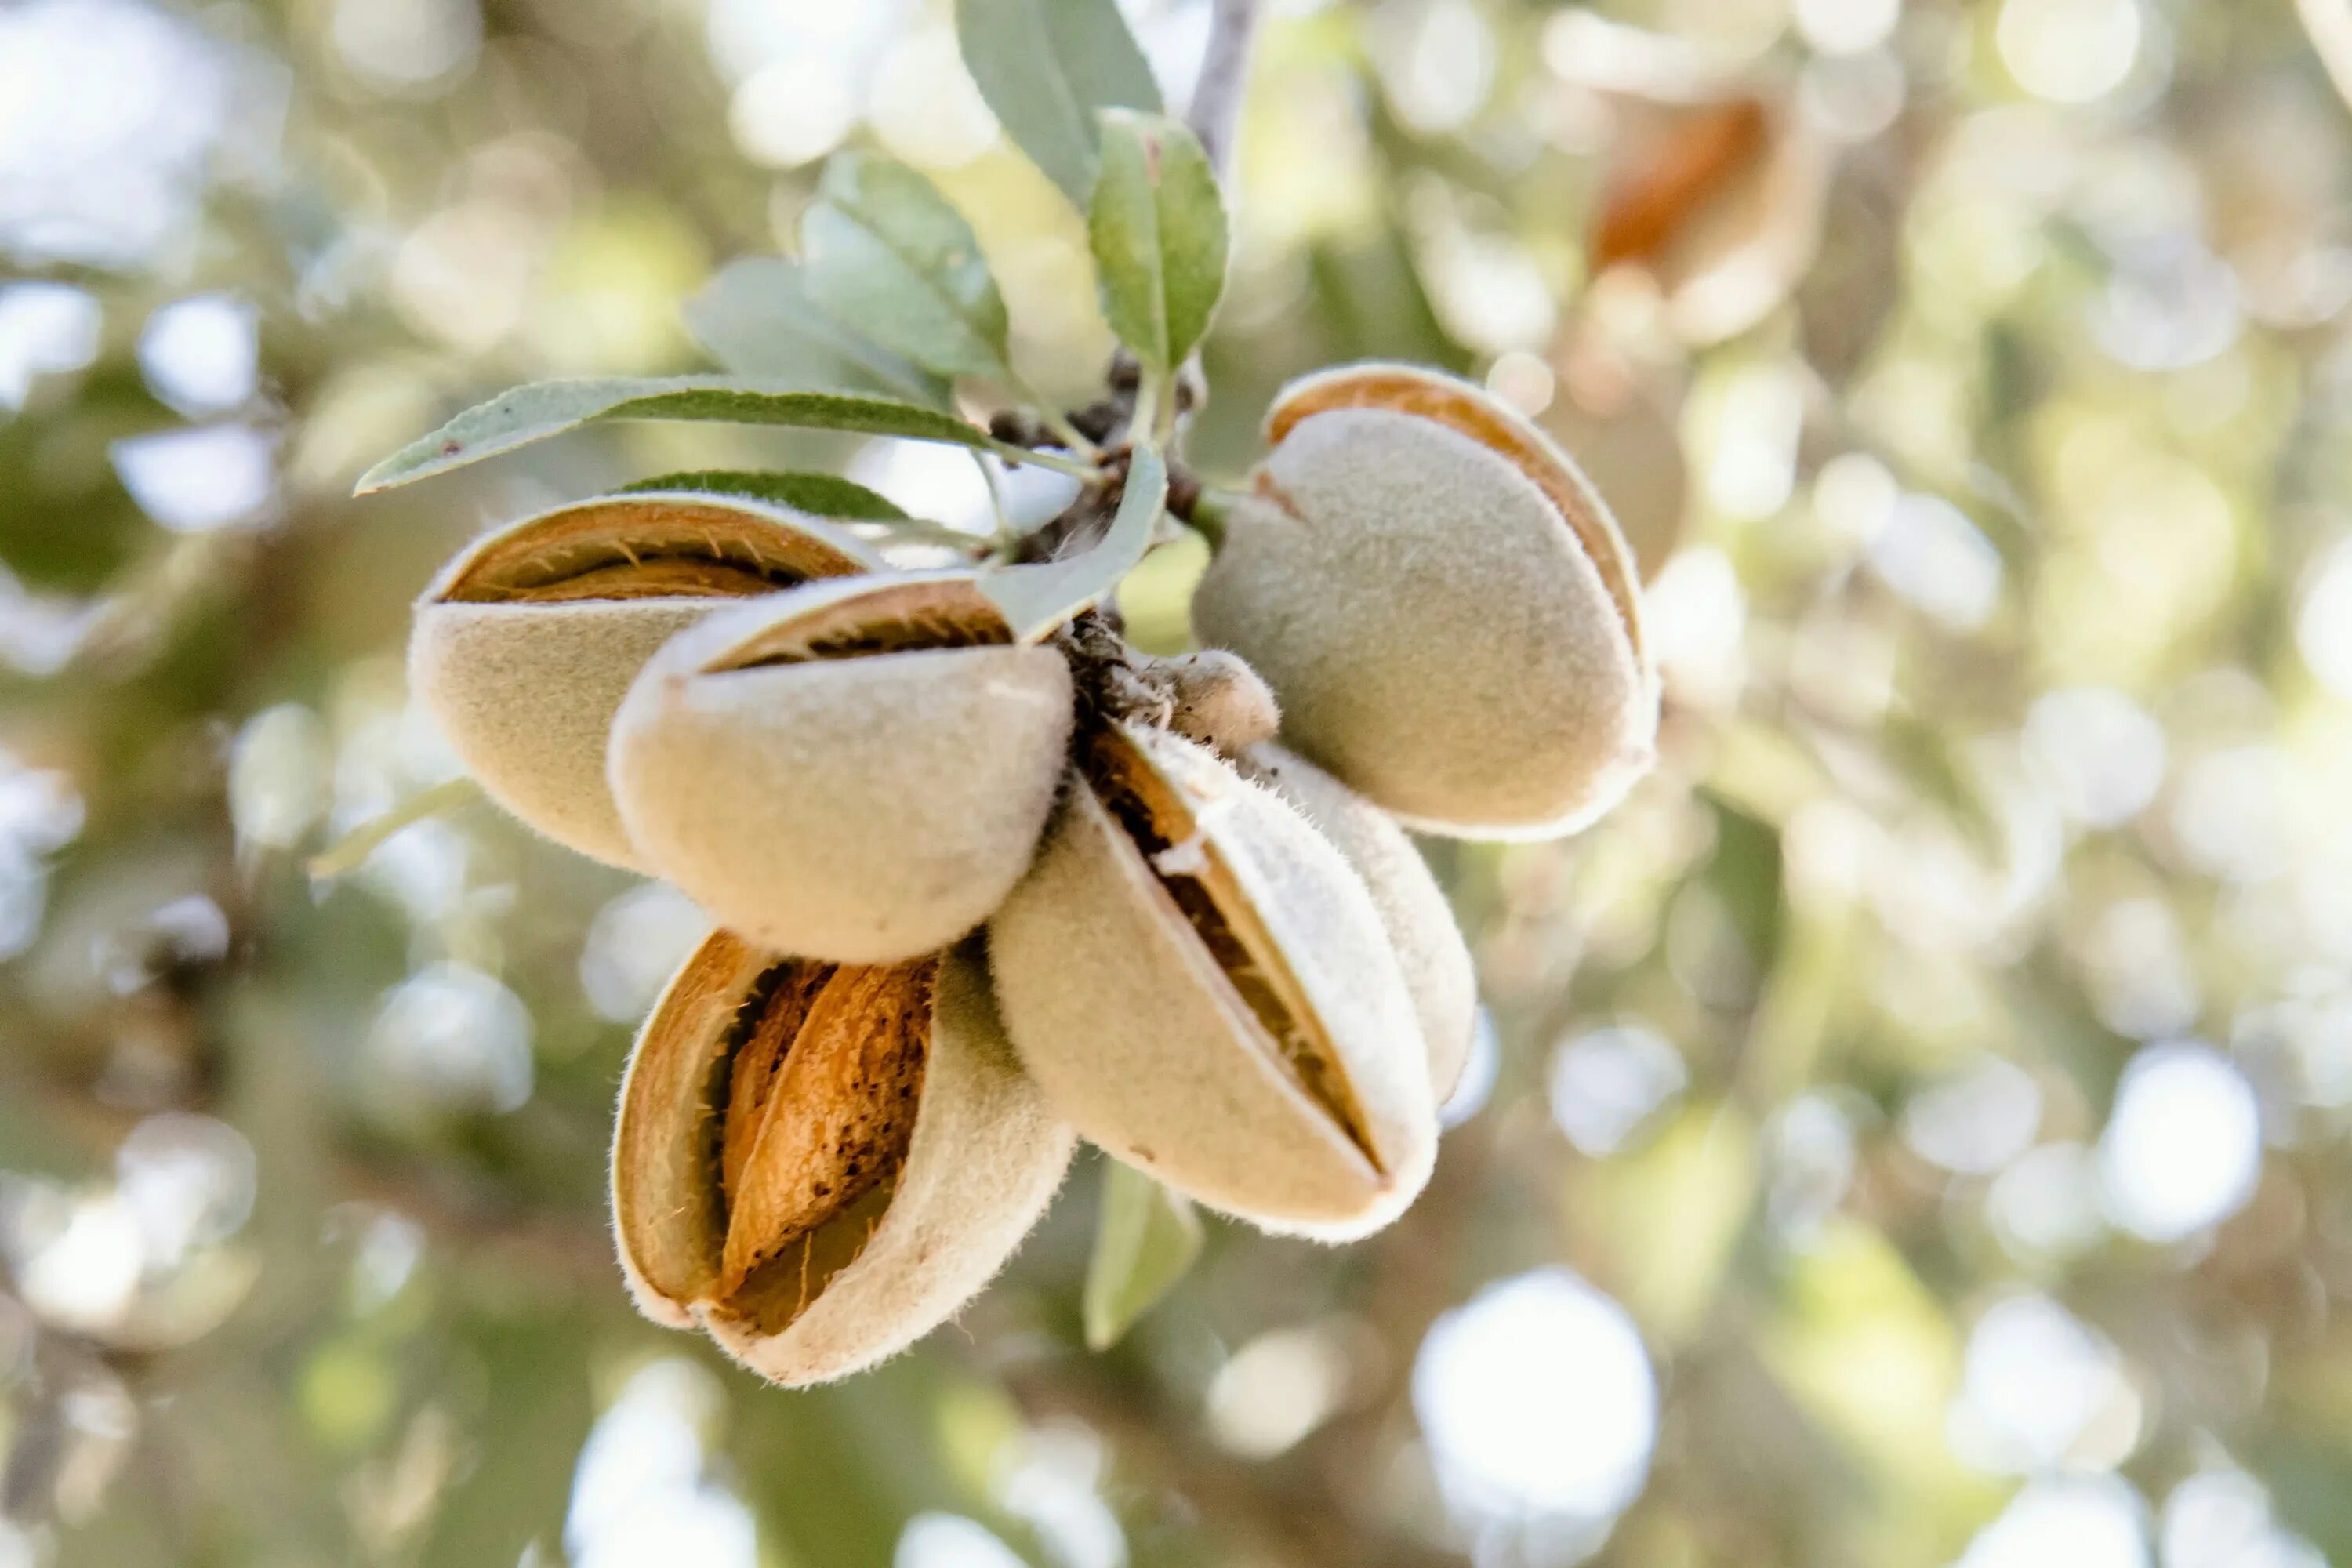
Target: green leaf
(820,495)
(884,253)
(1046,69)
(755,318)
(528,414)
(1039,596)
(1146,1238)
(1158,227)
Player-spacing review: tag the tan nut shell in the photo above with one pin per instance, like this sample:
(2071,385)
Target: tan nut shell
(856,770)
(1147,1021)
(1440,603)
(526,642)
(1419,922)
(982,1162)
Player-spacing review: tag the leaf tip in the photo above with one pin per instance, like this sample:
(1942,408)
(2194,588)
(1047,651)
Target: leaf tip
(415,460)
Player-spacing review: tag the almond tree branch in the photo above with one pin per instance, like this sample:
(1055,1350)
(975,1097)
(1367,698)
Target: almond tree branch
(1225,74)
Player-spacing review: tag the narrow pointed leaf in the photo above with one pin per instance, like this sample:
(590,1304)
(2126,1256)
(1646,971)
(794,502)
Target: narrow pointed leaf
(1158,230)
(822,495)
(755,318)
(1039,596)
(528,414)
(1146,1239)
(1046,69)
(884,253)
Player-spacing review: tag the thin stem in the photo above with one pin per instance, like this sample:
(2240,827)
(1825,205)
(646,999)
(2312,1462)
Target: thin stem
(1073,467)
(1055,420)
(1216,106)
(1143,424)
(923,530)
(1163,424)
(350,851)
(1072,436)
(996,496)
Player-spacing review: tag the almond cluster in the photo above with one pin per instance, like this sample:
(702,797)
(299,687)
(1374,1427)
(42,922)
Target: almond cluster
(976,896)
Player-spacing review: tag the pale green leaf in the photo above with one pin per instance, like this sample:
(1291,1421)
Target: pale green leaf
(528,414)
(1158,228)
(755,318)
(1040,595)
(885,255)
(1145,1240)
(820,495)
(1047,68)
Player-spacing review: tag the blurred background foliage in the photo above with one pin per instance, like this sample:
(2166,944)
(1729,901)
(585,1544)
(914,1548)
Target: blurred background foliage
(1911,1132)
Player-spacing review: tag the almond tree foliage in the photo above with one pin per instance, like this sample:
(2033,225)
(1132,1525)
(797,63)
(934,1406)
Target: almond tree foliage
(1942,1059)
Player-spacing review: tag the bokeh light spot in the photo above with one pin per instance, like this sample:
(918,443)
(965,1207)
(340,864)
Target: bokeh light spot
(1607,1084)
(2183,1147)
(201,354)
(2072,1523)
(46,329)
(1536,1398)
(2069,52)
(950,1540)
